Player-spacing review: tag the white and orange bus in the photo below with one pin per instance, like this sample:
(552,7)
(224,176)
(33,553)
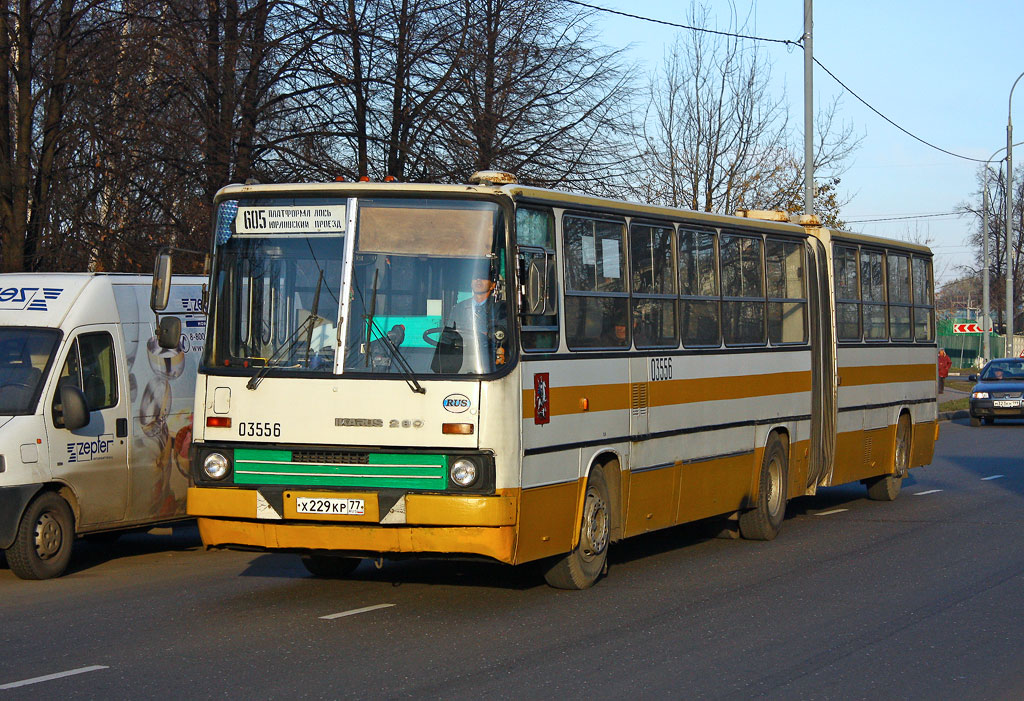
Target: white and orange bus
(507,372)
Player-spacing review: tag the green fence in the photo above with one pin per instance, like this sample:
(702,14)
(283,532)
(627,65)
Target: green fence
(965,348)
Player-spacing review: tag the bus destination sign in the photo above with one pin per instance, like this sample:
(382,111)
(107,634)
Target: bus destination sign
(313,219)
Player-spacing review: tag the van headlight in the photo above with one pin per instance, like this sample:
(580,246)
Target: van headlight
(216,466)
(464,472)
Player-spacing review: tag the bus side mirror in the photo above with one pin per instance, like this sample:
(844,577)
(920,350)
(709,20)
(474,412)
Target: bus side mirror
(168,332)
(535,271)
(74,407)
(161,293)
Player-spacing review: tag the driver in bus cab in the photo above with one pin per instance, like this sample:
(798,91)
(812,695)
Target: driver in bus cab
(481,321)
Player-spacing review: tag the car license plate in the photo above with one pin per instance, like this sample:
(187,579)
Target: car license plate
(335,507)
(1006,403)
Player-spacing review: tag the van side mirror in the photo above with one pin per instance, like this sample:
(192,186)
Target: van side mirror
(74,408)
(168,332)
(161,293)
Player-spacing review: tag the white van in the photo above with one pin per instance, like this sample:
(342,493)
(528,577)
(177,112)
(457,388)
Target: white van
(95,417)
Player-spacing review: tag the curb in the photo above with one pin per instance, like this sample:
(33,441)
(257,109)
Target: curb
(950,415)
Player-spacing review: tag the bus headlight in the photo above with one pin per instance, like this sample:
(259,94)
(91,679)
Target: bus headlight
(216,466)
(464,472)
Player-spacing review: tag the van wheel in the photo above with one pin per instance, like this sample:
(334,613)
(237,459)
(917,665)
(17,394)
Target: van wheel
(765,519)
(42,546)
(580,568)
(330,566)
(887,487)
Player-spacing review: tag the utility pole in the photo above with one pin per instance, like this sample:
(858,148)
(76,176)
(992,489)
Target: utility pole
(808,107)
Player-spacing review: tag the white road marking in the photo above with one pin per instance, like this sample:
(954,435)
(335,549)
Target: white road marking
(992,477)
(353,612)
(50,677)
(930,491)
(828,513)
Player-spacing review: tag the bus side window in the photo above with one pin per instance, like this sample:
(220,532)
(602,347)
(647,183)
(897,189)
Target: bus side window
(536,227)
(899,297)
(872,288)
(596,298)
(698,286)
(847,293)
(743,301)
(924,324)
(654,286)
(787,295)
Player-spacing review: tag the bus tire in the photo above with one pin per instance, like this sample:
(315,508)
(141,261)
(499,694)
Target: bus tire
(887,487)
(583,566)
(330,566)
(42,546)
(764,521)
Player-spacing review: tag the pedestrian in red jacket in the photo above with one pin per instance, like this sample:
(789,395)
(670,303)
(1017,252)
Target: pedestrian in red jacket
(945,363)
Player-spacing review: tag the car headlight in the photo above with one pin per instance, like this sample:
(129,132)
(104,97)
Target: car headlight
(216,466)
(979,395)
(464,472)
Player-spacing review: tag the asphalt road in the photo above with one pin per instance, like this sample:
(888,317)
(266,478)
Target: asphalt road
(919,598)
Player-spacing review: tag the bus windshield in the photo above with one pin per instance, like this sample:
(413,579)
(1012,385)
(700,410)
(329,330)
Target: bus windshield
(277,283)
(428,290)
(427,293)
(24,355)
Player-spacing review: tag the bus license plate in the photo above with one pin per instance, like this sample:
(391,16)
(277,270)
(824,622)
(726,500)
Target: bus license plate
(335,507)
(1006,403)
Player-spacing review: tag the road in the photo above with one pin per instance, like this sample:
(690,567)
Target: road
(919,598)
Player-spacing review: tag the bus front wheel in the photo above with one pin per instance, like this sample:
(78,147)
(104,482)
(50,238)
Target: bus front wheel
(580,568)
(765,519)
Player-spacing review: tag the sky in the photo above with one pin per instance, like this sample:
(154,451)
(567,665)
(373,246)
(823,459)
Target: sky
(942,70)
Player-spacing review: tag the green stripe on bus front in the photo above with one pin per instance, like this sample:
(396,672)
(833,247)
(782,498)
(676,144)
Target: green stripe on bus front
(439,482)
(263,454)
(367,470)
(385,470)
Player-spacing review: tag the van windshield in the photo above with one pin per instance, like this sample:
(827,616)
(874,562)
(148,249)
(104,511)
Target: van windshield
(24,357)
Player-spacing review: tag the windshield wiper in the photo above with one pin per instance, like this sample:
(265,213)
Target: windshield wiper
(407,372)
(313,320)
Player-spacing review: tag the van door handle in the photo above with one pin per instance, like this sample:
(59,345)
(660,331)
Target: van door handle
(121,427)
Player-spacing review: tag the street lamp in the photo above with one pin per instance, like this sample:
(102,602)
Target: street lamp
(986,320)
(1009,220)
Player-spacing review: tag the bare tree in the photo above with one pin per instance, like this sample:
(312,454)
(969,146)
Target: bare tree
(538,97)
(996,183)
(716,138)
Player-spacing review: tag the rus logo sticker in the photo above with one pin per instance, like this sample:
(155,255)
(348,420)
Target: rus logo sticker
(456,403)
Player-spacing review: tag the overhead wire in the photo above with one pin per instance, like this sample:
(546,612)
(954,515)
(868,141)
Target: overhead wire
(788,42)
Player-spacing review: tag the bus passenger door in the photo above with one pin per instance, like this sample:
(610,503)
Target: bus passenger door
(823,360)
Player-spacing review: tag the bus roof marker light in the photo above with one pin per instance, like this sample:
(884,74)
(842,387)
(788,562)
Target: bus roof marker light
(492,177)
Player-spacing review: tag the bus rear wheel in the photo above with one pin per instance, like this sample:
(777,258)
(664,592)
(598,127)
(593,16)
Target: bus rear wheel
(887,487)
(764,521)
(330,566)
(580,568)
(42,546)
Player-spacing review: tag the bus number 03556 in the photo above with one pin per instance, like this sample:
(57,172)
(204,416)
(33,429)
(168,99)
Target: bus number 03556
(259,429)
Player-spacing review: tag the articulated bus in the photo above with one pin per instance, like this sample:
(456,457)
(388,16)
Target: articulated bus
(517,374)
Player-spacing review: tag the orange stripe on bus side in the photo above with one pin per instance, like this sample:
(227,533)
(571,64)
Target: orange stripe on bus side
(566,400)
(852,376)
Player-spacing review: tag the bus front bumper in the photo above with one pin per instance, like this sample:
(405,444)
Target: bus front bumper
(420,523)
